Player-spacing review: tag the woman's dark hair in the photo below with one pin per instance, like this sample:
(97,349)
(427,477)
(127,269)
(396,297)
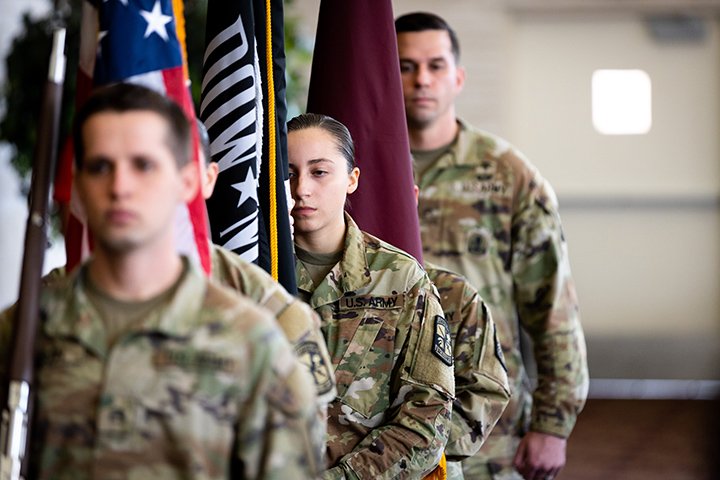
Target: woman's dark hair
(127,97)
(204,140)
(338,131)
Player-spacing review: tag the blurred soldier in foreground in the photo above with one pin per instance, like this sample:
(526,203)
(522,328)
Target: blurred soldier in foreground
(145,369)
(487,213)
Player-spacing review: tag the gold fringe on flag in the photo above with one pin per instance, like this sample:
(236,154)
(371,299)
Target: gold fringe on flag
(179,13)
(440,472)
(273,240)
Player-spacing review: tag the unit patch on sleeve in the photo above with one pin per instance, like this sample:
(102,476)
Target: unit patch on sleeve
(442,343)
(309,355)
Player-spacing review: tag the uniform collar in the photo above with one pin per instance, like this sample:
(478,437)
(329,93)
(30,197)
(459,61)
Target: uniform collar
(349,274)
(71,314)
(463,143)
(354,264)
(463,152)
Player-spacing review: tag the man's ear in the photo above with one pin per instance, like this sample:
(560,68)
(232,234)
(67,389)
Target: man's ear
(354,179)
(460,78)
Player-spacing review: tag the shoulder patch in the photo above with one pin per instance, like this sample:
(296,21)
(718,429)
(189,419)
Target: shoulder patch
(309,354)
(442,343)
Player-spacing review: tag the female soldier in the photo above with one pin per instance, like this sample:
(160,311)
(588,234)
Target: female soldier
(388,340)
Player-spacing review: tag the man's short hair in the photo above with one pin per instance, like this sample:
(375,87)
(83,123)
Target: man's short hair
(127,97)
(421,21)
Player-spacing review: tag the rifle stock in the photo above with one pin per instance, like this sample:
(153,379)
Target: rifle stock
(15,415)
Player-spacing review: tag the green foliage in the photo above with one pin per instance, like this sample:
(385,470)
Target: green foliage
(298,52)
(27,69)
(195,15)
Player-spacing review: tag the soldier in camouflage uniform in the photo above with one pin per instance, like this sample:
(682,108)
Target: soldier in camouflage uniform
(145,369)
(486,212)
(481,384)
(388,340)
(297,320)
(299,323)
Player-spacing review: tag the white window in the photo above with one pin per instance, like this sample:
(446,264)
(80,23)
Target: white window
(621,102)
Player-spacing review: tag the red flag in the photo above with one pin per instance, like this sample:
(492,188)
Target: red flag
(356,80)
(142,42)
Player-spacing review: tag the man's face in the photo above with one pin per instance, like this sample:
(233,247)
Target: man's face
(129,182)
(431,79)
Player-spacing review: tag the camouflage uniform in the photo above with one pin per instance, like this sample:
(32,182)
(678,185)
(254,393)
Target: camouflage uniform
(481,384)
(299,322)
(486,212)
(205,386)
(392,353)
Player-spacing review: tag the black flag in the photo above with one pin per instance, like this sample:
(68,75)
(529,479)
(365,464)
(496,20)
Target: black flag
(243,107)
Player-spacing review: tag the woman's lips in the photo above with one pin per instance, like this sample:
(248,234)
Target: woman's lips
(303,210)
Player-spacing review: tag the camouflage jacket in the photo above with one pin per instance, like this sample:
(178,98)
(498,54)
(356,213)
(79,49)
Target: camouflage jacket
(298,321)
(390,346)
(205,386)
(481,383)
(486,213)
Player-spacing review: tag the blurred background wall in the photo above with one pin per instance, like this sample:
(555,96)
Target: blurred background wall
(640,211)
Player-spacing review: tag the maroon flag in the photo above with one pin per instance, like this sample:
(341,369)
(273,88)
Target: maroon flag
(356,80)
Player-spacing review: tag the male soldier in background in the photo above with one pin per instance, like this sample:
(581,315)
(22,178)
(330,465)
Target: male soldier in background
(145,368)
(486,212)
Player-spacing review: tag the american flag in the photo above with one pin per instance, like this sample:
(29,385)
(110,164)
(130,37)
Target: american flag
(136,41)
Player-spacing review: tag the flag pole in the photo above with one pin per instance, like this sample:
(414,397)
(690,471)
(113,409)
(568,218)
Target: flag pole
(14,432)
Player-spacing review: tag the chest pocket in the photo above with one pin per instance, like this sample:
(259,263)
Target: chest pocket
(466,217)
(69,382)
(169,389)
(367,334)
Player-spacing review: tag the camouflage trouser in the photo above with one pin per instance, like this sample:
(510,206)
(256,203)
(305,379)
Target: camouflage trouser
(494,462)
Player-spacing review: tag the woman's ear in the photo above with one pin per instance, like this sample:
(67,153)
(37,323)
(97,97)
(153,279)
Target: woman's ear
(354,177)
(209,179)
(190,181)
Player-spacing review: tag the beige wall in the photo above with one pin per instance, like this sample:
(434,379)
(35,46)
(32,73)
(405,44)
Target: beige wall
(640,212)
(642,216)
